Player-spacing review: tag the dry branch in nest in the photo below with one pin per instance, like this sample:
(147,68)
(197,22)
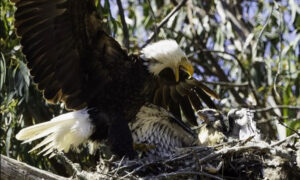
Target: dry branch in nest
(235,159)
(239,153)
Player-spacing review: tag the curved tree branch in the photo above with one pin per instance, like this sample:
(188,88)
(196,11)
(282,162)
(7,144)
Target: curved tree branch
(124,25)
(164,21)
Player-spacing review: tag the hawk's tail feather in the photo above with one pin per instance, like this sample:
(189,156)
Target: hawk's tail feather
(62,132)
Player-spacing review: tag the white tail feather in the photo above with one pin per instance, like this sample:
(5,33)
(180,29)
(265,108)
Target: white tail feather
(64,131)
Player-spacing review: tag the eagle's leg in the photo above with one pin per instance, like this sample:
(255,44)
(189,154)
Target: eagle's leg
(115,129)
(119,138)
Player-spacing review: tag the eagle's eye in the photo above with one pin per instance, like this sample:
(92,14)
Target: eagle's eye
(184,59)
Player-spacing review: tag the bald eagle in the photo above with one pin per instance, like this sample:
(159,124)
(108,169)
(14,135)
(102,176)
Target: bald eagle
(113,96)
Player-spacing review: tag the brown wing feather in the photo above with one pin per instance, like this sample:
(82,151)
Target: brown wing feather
(196,103)
(206,89)
(48,36)
(184,96)
(205,98)
(174,108)
(166,96)
(158,96)
(57,37)
(187,110)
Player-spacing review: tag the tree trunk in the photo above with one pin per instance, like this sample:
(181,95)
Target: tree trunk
(13,169)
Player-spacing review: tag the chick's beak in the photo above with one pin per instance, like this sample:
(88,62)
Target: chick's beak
(185,66)
(202,116)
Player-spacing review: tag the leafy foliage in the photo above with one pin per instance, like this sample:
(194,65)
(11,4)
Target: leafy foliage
(248,49)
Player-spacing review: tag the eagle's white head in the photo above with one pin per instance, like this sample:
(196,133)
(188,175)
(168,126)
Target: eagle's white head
(167,54)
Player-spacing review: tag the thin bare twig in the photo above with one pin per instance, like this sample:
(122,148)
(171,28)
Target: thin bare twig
(164,21)
(283,118)
(222,52)
(227,84)
(228,150)
(276,107)
(138,168)
(280,120)
(119,165)
(284,140)
(124,25)
(186,172)
(129,174)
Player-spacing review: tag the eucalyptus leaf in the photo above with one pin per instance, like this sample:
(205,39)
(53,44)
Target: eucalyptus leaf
(2,71)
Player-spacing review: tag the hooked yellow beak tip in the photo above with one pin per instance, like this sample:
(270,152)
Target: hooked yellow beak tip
(185,66)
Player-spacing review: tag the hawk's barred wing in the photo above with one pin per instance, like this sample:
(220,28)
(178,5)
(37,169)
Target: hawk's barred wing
(160,131)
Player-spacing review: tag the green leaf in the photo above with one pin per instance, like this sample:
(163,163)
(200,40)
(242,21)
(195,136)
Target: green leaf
(3,71)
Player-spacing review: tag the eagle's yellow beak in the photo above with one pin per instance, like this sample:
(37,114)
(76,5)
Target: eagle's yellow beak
(185,66)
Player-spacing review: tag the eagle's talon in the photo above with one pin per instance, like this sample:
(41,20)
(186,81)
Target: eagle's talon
(142,147)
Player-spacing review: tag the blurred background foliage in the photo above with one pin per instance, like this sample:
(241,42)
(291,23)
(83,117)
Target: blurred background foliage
(247,51)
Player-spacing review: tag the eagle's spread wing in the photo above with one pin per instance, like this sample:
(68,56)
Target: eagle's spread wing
(185,95)
(65,46)
(58,39)
(160,132)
